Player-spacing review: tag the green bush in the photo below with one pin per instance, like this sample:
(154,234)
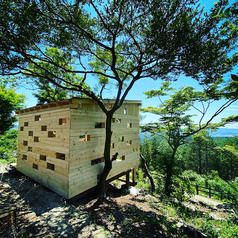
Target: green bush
(8,146)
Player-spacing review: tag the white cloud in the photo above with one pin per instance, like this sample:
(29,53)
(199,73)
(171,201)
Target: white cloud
(230,109)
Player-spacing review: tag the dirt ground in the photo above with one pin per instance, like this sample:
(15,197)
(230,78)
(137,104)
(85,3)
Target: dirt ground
(40,212)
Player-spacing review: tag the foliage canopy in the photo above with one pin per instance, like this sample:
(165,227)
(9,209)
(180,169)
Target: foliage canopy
(10,101)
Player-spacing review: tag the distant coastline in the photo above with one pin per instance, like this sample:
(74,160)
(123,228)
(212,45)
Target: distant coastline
(221,132)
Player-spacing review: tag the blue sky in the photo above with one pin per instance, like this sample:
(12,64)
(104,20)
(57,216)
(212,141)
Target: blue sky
(147,84)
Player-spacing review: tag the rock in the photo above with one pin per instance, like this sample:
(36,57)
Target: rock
(192,232)
(101,233)
(213,216)
(134,191)
(180,224)
(193,200)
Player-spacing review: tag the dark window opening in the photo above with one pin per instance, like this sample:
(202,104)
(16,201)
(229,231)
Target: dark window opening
(60,156)
(38,118)
(36,139)
(30,149)
(21,128)
(35,166)
(97,161)
(24,157)
(30,133)
(62,121)
(99,124)
(51,134)
(26,124)
(25,143)
(43,157)
(43,128)
(50,166)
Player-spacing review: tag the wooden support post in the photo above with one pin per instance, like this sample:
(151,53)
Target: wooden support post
(128,180)
(210,195)
(134,176)
(197,189)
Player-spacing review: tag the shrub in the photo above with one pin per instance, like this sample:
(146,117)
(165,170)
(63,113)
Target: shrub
(8,146)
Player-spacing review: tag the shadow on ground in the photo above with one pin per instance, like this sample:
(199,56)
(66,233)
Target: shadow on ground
(43,213)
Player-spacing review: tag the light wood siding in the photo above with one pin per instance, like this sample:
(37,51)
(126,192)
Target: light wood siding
(61,144)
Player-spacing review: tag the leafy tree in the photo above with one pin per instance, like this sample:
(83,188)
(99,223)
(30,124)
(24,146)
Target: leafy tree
(10,101)
(175,124)
(118,42)
(49,92)
(201,154)
(8,145)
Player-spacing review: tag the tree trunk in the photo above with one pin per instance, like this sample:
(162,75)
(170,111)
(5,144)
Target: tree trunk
(199,159)
(147,172)
(206,160)
(168,178)
(107,157)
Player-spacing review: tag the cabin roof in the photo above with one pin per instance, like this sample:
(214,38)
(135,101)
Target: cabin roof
(71,103)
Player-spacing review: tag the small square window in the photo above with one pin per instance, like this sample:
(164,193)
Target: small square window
(21,128)
(50,166)
(30,133)
(116,120)
(129,125)
(97,161)
(60,156)
(135,149)
(84,138)
(24,157)
(121,158)
(43,128)
(26,124)
(51,134)
(62,121)
(99,124)
(120,138)
(125,111)
(43,157)
(30,149)
(38,118)
(35,166)
(36,139)
(25,143)
(129,142)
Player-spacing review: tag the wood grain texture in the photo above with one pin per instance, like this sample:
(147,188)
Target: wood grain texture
(57,143)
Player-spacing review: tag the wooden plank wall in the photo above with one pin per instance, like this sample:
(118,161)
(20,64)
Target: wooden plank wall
(62,147)
(43,147)
(83,172)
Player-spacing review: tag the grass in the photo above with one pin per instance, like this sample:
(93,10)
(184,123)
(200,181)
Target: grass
(8,161)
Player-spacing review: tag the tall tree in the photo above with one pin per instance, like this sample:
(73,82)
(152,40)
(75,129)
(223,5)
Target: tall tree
(119,42)
(10,101)
(175,124)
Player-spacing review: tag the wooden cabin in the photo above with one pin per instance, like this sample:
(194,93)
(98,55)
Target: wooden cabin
(60,144)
